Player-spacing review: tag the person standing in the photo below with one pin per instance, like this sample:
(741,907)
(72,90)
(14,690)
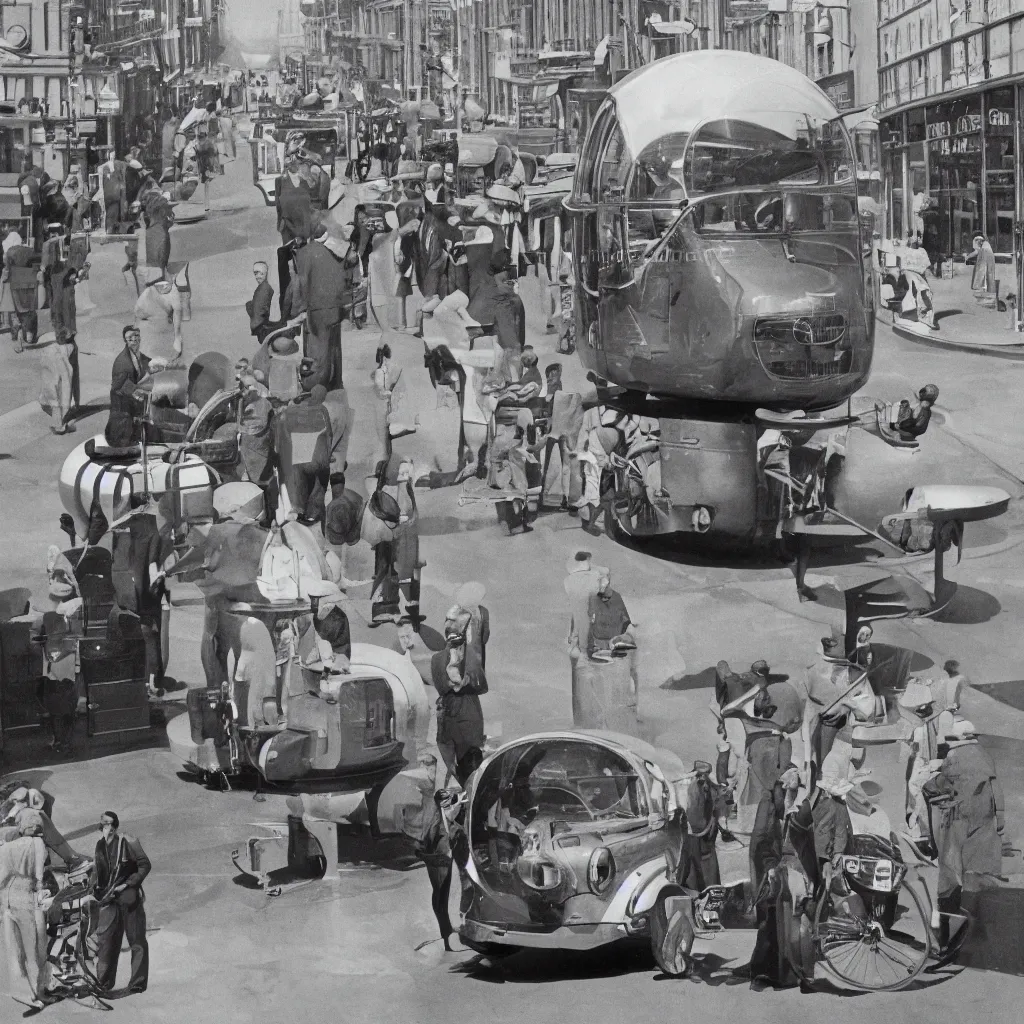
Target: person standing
(115,193)
(227,134)
(158,218)
(460,718)
(294,210)
(56,392)
(22,863)
(968,820)
(303,444)
(607,615)
(168,157)
(258,307)
(327,268)
(130,367)
(22,275)
(120,868)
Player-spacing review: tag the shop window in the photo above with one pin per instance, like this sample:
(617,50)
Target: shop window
(1017,46)
(975,60)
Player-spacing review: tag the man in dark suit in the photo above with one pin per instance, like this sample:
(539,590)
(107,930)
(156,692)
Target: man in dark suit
(258,307)
(121,866)
(130,368)
(326,268)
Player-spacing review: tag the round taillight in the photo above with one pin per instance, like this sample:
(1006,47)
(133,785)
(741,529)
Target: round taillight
(600,870)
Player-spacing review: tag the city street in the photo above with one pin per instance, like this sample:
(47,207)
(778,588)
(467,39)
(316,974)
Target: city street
(222,951)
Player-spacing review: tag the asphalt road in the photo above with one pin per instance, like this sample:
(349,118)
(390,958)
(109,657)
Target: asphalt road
(347,946)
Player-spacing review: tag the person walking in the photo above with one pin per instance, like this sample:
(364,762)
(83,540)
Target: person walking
(121,866)
(22,275)
(227,134)
(158,217)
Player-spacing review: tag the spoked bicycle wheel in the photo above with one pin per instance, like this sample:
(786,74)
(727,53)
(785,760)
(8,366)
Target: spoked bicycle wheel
(864,954)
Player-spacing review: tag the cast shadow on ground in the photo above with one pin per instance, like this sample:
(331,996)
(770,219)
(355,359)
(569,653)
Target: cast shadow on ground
(538,966)
(941,315)
(83,412)
(706,678)
(391,852)
(969,607)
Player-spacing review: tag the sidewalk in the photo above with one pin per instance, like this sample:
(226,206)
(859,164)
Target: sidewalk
(967,325)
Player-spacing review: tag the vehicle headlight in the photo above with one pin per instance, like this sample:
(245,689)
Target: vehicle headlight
(600,870)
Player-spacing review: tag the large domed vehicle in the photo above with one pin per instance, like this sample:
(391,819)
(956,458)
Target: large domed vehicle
(722,290)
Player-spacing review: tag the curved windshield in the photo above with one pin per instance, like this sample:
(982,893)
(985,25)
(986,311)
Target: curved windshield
(560,780)
(763,149)
(777,212)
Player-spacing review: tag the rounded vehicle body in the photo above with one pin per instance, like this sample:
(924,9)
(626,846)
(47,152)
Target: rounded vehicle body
(716,238)
(364,726)
(571,835)
(92,471)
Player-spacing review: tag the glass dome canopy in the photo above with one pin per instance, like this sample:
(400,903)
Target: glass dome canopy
(674,95)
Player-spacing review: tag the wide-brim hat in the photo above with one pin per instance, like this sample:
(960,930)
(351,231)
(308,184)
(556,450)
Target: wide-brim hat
(503,194)
(385,508)
(408,170)
(916,695)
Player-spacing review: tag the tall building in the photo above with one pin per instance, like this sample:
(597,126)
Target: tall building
(832,42)
(950,107)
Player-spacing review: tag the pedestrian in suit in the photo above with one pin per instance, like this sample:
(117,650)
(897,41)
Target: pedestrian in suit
(130,368)
(258,307)
(121,866)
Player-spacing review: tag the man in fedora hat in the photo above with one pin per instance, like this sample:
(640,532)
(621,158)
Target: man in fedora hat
(325,267)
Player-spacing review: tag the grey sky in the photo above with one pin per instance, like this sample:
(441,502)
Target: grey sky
(253,19)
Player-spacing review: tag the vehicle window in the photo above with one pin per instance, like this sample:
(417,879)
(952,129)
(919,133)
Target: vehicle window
(589,163)
(561,780)
(616,163)
(776,213)
(770,148)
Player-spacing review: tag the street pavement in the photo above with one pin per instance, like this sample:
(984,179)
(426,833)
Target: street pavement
(221,951)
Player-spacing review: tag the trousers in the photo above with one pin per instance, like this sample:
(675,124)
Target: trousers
(118,920)
(24,936)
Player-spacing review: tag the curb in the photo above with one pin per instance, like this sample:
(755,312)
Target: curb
(1014,353)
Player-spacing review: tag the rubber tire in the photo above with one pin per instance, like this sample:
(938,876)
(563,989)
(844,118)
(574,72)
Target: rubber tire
(896,986)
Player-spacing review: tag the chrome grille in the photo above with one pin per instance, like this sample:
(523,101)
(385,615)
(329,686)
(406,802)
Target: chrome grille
(811,347)
(814,329)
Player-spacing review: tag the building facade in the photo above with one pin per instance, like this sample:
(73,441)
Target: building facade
(951,103)
(142,56)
